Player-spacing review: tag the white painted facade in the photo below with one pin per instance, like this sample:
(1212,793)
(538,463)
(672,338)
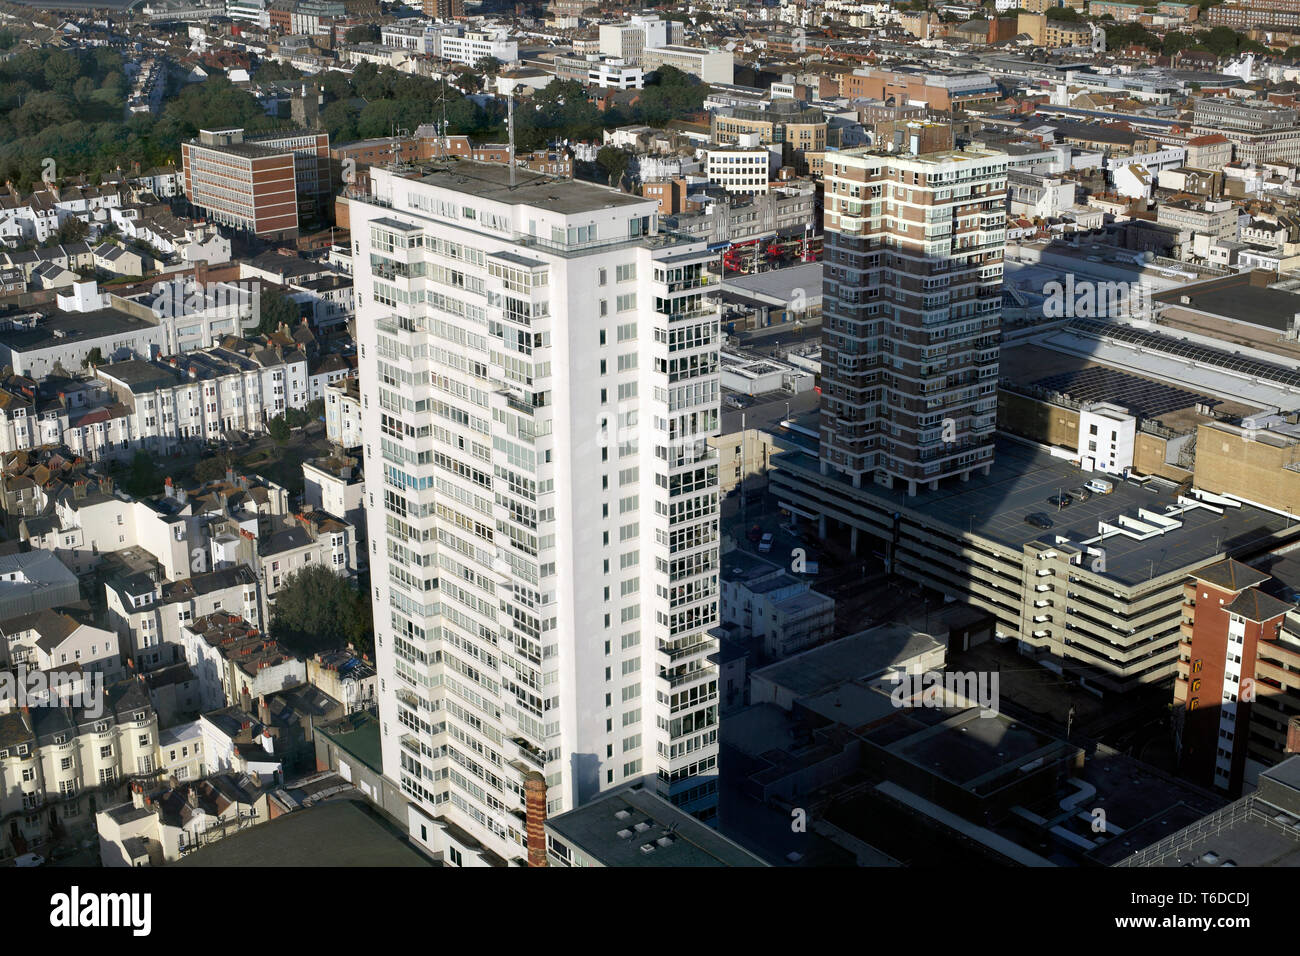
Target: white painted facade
(540,376)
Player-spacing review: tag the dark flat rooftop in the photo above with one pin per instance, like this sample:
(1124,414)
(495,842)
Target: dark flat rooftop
(1021,480)
(1235,297)
(492,182)
(594,829)
(331,833)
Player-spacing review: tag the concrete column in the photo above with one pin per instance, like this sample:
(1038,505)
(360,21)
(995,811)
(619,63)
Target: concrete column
(821,526)
(853,542)
(911,488)
(934,485)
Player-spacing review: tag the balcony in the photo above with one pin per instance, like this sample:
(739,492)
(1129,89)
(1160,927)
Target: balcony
(682,654)
(533,755)
(671,680)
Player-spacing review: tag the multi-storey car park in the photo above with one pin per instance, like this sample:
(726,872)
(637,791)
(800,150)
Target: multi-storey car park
(1098,595)
(539,375)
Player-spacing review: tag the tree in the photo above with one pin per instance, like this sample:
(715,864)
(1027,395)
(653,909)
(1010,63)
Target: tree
(94,358)
(299,417)
(363,33)
(613,161)
(144,478)
(73,229)
(276,309)
(214,467)
(487,65)
(278,429)
(317,610)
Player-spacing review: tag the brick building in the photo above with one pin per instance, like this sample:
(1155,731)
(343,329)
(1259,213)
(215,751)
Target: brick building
(266,185)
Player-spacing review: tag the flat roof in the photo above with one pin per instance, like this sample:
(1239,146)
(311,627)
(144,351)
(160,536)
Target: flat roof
(781,283)
(357,734)
(964,746)
(1024,476)
(64,328)
(1239,298)
(634,827)
(1261,829)
(863,655)
(491,181)
(331,833)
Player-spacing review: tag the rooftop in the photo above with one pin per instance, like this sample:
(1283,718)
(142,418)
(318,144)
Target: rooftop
(634,827)
(1262,829)
(491,181)
(1023,477)
(357,733)
(330,833)
(866,654)
(1244,297)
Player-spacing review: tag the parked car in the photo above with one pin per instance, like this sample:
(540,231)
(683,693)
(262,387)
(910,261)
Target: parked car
(1082,493)
(765,543)
(1038,520)
(1060,501)
(755,533)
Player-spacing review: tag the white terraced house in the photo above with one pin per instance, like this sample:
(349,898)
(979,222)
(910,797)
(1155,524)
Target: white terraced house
(539,375)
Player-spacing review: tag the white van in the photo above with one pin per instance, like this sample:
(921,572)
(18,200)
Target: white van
(1099,486)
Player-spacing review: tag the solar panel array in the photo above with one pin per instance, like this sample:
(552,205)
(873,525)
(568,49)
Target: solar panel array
(1142,397)
(1192,351)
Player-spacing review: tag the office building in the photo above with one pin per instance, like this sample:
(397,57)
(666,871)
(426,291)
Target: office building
(266,185)
(711,66)
(540,376)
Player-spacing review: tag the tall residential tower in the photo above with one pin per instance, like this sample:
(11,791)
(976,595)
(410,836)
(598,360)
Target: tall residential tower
(912,310)
(539,375)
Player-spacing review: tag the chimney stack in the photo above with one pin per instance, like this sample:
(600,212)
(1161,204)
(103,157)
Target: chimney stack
(535,817)
(245,699)
(263,711)
(1293,736)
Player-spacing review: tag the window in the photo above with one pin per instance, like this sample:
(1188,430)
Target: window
(106,751)
(454,856)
